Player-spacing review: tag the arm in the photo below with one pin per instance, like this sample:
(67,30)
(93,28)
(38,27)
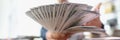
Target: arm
(43,33)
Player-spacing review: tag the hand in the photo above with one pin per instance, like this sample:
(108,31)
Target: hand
(95,22)
(62,1)
(57,36)
(64,36)
(97,8)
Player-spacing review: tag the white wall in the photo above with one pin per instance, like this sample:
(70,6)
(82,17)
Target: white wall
(14,22)
(4,12)
(117,5)
(20,23)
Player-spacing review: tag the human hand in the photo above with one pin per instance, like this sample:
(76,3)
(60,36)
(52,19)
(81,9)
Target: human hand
(97,8)
(96,21)
(57,36)
(62,1)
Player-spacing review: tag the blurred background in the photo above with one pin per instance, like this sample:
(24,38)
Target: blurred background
(14,22)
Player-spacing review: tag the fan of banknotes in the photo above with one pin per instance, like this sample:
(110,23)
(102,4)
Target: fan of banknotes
(65,17)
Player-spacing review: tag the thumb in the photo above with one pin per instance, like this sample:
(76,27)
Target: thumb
(97,7)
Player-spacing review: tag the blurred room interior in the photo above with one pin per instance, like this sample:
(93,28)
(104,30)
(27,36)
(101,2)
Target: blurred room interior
(15,24)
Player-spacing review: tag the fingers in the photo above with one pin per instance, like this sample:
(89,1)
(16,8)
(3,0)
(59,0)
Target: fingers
(97,7)
(62,1)
(56,36)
